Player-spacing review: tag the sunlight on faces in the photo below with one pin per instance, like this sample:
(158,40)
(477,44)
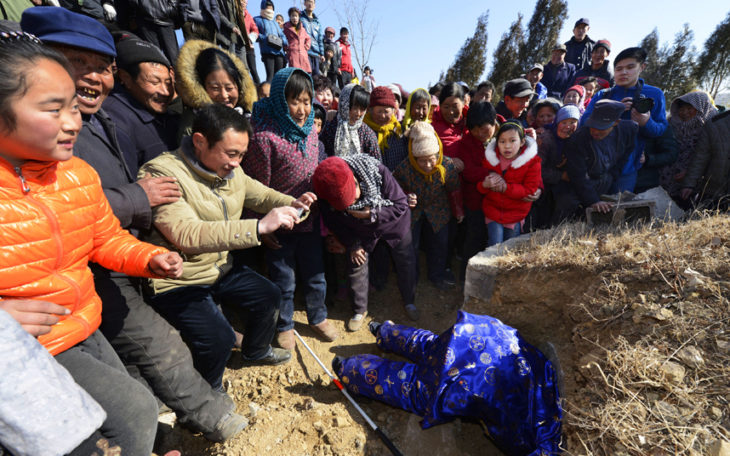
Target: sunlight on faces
(93,76)
(534,76)
(566,128)
(509,144)
(294,18)
(318,125)
(590,88)
(355,114)
(516,105)
(571,97)
(484,133)
(47,116)
(381,115)
(152,88)
(224,156)
(300,107)
(221,88)
(545,116)
(598,56)
(687,112)
(483,94)
(428,162)
(627,71)
(451,109)
(419,110)
(325,97)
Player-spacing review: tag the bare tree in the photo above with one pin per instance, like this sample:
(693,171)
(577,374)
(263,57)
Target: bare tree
(353,14)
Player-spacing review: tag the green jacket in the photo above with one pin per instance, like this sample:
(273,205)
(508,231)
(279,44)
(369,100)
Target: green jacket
(205,223)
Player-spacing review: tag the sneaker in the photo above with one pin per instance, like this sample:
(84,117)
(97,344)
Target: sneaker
(325,330)
(412,312)
(449,277)
(231,424)
(276,356)
(356,321)
(444,285)
(374,327)
(286,340)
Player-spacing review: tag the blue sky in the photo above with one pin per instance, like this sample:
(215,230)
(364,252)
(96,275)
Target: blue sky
(418,39)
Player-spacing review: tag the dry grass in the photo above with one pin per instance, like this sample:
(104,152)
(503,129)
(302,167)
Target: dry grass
(654,369)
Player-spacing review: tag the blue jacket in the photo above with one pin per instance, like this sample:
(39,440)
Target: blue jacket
(557,79)
(314,28)
(267,27)
(541,91)
(654,128)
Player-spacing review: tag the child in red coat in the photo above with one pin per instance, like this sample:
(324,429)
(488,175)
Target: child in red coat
(514,175)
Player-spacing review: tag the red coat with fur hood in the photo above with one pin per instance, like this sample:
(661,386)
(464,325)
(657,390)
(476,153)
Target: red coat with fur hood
(523,177)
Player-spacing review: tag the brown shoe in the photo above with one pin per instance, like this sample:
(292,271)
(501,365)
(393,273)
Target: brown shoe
(285,340)
(325,330)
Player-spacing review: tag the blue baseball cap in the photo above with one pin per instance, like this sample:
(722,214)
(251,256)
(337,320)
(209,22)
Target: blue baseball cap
(605,114)
(53,24)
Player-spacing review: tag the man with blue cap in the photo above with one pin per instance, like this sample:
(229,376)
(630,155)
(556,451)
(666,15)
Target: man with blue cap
(146,343)
(595,156)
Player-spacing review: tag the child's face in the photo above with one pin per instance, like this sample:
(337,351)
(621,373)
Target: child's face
(590,89)
(318,125)
(545,116)
(356,113)
(329,54)
(572,97)
(300,107)
(381,115)
(47,116)
(427,163)
(419,110)
(509,144)
(483,133)
(325,98)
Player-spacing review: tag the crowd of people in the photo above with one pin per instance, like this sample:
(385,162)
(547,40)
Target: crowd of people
(161,206)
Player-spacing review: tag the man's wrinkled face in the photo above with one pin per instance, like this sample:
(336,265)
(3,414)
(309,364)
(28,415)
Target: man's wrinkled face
(598,56)
(93,77)
(152,88)
(534,76)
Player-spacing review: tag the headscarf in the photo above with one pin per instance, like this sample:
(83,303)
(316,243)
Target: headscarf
(384,131)
(422,128)
(407,121)
(347,140)
(687,132)
(275,107)
(365,169)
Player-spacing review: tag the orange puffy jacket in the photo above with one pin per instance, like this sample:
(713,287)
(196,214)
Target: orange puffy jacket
(54,219)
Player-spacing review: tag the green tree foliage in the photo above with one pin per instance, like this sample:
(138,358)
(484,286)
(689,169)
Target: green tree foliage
(671,67)
(472,57)
(713,64)
(505,62)
(650,44)
(542,32)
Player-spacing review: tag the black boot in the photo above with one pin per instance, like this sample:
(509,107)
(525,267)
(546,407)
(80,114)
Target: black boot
(374,327)
(337,364)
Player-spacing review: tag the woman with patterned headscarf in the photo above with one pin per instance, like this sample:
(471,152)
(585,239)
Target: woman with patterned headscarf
(347,134)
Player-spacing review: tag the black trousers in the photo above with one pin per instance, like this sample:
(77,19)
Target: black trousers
(162,36)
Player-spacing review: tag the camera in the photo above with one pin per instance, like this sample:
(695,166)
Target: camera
(642,105)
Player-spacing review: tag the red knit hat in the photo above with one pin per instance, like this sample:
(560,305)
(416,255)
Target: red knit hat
(382,96)
(578,88)
(334,182)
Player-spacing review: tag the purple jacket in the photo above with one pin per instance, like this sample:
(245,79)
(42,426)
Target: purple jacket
(391,224)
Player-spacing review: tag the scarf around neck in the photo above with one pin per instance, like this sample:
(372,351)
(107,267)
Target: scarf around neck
(439,168)
(384,131)
(347,139)
(407,120)
(275,107)
(365,169)
(268,14)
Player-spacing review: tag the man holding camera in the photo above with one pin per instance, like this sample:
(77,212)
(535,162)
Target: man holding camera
(644,104)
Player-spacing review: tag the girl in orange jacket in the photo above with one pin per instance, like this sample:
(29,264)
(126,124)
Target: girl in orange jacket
(54,219)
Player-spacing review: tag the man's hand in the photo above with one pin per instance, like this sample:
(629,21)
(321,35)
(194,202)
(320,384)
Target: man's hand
(534,197)
(458,164)
(640,118)
(686,193)
(237,31)
(304,201)
(279,217)
(168,265)
(36,317)
(679,177)
(412,200)
(628,102)
(160,190)
(109,12)
(358,256)
(602,206)
(270,240)
(363,214)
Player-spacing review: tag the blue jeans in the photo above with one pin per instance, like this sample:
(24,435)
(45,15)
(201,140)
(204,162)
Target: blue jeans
(497,233)
(436,246)
(131,409)
(194,311)
(314,63)
(300,254)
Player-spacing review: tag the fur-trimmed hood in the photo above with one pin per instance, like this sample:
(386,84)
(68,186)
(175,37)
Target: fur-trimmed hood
(192,91)
(525,156)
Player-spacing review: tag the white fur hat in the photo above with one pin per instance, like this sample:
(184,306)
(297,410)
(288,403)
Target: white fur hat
(424,141)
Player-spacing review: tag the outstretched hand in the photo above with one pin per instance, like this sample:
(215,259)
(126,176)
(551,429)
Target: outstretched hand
(305,201)
(36,317)
(168,265)
(279,217)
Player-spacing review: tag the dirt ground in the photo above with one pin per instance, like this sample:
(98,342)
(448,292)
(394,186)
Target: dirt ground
(295,410)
